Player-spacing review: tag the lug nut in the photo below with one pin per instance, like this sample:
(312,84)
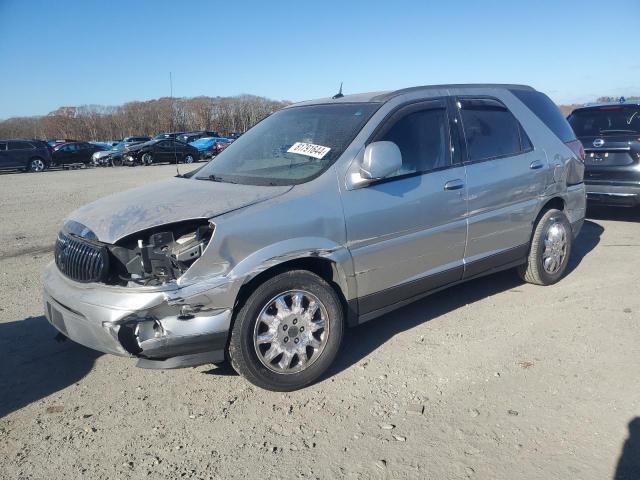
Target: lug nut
(286,339)
(295,320)
(302,329)
(296,340)
(285,327)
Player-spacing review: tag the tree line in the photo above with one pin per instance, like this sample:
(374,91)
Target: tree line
(98,122)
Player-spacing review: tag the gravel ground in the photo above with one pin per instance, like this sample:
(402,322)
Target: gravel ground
(494,379)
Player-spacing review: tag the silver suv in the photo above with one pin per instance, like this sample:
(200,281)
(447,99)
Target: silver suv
(326,214)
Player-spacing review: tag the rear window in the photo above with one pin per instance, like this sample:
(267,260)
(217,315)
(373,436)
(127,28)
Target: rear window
(548,112)
(606,120)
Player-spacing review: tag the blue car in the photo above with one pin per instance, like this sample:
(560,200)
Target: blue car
(206,145)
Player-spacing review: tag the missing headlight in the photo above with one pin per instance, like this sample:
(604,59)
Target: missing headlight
(159,256)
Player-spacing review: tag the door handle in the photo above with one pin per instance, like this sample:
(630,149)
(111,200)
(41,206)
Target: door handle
(456,184)
(536,165)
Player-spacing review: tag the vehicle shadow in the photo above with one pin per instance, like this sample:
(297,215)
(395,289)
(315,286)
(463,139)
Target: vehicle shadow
(34,365)
(628,467)
(364,339)
(620,214)
(588,239)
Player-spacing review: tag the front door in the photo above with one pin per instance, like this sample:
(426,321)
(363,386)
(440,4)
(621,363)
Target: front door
(407,232)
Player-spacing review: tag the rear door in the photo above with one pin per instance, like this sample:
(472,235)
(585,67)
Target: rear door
(19,153)
(407,232)
(506,177)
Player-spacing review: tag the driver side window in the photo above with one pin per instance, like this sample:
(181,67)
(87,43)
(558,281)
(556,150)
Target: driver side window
(423,139)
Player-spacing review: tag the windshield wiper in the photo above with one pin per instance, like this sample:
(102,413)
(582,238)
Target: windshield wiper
(215,178)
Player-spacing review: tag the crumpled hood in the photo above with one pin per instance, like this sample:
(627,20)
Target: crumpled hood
(175,200)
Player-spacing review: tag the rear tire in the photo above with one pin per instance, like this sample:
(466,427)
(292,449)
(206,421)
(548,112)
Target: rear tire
(116,162)
(189,159)
(550,249)
(296,314)
(36,165)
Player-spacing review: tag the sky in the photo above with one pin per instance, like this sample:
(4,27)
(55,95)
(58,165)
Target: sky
(82,52)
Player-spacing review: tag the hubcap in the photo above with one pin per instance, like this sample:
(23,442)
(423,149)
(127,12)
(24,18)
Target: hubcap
(555,247)
(147,158)
(291,332)
(37,165)
(189,159)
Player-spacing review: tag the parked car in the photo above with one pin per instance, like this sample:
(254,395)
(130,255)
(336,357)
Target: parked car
(74,153)
(190,137)
(113,155)
(610,133)
(160,151)
(210,146)
(162,136)
(219,146)
(54,143)
(28,155)
(324,215)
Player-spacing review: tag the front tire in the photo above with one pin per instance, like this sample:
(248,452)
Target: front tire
(189,159)
(550,249)
(288,332)
(147,159)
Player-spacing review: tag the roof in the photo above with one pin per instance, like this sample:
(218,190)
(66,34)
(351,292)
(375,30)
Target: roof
(385,96)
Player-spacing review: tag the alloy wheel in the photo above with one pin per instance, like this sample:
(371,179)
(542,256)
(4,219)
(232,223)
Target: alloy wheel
(291,332)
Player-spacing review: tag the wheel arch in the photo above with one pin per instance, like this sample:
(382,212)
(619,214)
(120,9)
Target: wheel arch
(326,268)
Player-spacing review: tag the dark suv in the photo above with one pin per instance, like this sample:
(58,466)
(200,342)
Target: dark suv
(28,155)
(610,133)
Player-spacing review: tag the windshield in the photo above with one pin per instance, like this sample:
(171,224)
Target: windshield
(291,146)
(603,121)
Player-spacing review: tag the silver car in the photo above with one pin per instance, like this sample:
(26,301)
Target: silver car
(325,215)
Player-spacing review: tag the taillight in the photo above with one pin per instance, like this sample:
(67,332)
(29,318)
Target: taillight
(577,148)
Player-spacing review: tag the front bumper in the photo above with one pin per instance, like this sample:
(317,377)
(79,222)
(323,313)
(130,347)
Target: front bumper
(614,195)
(149,325)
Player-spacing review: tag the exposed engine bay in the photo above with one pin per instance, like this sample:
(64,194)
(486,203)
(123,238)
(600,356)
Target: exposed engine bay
(158,256)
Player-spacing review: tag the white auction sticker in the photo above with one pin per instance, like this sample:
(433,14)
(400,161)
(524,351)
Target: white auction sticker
(309,149)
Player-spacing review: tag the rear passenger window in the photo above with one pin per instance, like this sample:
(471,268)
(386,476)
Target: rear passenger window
(490,129)
(423,139)
(19,145)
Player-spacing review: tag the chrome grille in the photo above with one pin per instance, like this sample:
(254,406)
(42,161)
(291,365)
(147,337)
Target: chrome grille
(80,260)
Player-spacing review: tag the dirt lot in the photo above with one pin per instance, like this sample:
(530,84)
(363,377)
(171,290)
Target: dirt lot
(494,379)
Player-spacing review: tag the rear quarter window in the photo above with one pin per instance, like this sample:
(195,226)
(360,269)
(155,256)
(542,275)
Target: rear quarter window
(547,111)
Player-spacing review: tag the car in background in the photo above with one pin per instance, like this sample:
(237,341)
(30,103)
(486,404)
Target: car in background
(160,151)
(610,133)
(190,137)
(74,153)
(54,143)
(209,146)
(27,155)
(219,146)
(113,155)
(173,135)
(106,146)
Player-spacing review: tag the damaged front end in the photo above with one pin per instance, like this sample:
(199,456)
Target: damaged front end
(150,258)
(125,298)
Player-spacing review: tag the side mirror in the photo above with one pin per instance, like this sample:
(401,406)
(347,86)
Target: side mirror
(380,159)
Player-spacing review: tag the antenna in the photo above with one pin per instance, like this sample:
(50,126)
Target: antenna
(173,130)
(339,94)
